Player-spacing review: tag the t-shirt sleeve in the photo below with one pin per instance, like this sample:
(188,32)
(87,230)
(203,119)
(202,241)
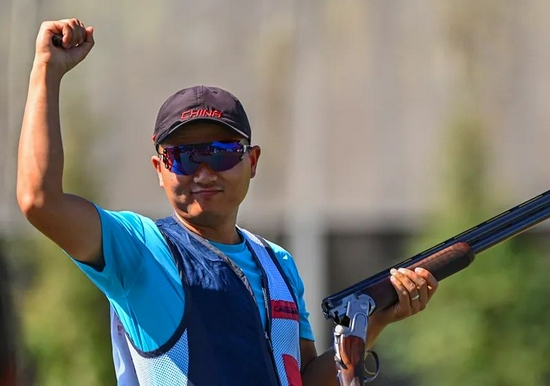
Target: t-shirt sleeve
(128,239)
(289,267)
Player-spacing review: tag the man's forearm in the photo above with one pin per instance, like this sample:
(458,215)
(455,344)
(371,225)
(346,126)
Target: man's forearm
(376,326)
(40,160)
(321,371)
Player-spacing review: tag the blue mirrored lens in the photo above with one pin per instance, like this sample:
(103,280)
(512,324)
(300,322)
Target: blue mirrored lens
(218,156)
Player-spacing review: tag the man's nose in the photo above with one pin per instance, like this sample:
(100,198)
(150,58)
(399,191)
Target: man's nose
(204,174)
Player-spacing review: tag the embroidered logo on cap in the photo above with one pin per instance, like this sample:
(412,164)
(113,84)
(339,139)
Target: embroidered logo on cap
(195,113)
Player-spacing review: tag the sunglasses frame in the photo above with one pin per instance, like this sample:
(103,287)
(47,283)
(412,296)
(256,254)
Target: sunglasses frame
(206,147)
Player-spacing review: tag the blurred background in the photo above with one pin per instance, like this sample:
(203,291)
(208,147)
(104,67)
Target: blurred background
(385,126)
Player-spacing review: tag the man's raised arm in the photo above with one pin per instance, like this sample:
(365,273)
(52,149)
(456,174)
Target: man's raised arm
(71,222)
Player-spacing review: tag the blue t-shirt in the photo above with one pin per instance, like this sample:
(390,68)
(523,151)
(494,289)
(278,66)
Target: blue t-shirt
(141,280)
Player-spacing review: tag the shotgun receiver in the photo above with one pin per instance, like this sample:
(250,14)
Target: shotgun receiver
(351,307)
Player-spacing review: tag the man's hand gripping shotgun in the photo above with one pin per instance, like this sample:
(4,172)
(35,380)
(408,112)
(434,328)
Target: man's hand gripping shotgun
(350,308)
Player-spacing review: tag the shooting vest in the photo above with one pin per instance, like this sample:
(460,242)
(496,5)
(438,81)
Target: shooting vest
(220,340)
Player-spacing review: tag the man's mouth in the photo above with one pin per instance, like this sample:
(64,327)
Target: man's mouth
(206,192)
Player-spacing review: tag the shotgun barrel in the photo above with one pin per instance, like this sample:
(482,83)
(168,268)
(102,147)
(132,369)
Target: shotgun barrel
(446,258)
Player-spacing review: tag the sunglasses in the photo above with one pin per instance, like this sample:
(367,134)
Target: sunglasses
(185,160)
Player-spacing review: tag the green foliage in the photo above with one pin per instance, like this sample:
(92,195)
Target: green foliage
(489,324)
(65,321)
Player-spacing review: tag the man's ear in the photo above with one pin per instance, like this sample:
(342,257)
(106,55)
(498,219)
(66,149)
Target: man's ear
(157,164)
(254,155)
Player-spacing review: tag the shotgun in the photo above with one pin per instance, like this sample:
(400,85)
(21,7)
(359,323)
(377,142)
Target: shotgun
(350,308)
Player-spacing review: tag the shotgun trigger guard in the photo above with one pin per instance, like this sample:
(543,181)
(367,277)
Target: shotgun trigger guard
(357,312)
(371,375)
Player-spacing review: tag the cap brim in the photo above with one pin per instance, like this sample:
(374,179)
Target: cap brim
(199,119)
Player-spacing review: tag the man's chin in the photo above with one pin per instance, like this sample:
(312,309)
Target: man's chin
(203,217)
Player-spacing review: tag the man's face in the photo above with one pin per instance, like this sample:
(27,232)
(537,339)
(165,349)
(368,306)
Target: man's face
(206,198)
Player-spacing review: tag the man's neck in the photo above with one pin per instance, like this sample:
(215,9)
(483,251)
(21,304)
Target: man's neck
(223,232)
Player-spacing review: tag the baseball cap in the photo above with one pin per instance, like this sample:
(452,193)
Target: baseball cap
(201,103)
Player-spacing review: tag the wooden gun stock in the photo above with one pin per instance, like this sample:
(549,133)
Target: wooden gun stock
(353,361)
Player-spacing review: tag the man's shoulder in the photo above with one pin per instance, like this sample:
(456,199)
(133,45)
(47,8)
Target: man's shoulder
(280,252)
(127,220)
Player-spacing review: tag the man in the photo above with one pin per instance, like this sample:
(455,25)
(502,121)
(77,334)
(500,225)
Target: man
(201,301)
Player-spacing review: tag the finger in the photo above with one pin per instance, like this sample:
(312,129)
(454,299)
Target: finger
(421,286)
(410,286)
(407,277)
(430,280)
(81,28)
(403,295)
(80,51)
(69,28)
(89,36)
(85,47)
(67,33)
(48,30)
(78,32)
(403,307)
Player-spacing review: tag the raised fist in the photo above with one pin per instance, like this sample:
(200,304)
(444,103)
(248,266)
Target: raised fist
(77,42)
